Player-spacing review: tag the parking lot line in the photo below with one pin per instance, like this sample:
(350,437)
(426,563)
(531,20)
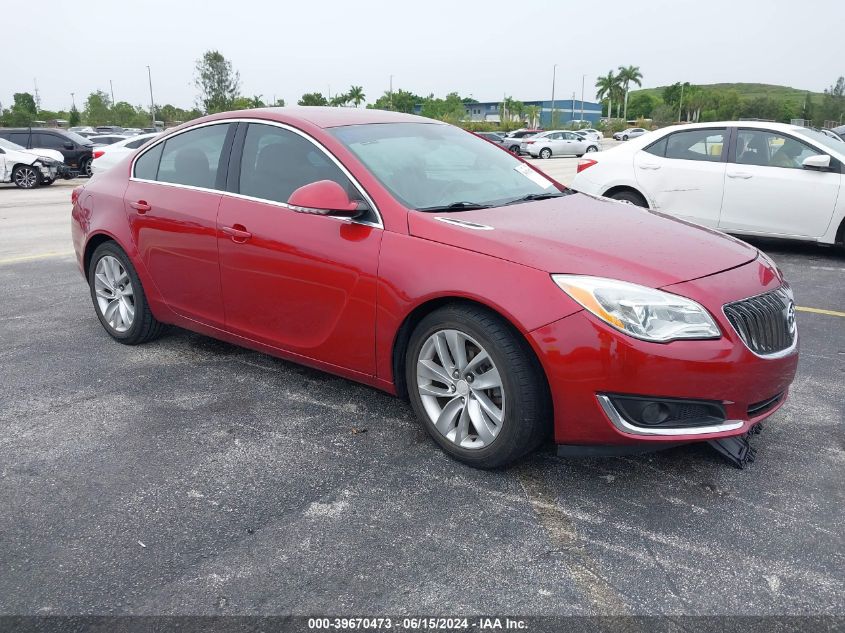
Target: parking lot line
(28,258)
(820,311)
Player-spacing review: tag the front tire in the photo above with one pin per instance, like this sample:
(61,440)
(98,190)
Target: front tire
(476,386)
(119,299)
(625,138)
(26,177)
(545,153)
(47,181)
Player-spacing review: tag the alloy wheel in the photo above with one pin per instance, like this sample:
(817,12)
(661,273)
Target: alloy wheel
(26,177)
(461,389)
(114,292)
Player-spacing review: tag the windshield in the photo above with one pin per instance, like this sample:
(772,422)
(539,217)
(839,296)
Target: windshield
(431,166)
(823,139)
(12,146)
(76,138)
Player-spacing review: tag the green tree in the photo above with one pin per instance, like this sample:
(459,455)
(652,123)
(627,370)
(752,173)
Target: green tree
(217,82)
(339,100)
(641,104)
(532,112)
(23,111)
(451,109)
(74,118)
(356,95)
(312,99)
(399,101)
(606,88)
(97,108)
(125,115)
(629,75)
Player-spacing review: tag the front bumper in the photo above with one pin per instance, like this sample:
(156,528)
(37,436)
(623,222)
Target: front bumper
(586,361)
(48,172)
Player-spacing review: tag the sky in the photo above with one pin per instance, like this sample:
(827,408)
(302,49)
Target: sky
(484,49)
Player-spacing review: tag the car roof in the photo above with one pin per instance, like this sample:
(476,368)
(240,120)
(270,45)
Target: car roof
(320,116)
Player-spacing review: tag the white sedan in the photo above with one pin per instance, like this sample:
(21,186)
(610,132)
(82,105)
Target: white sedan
(27,168)
(743,177)
(557,143)
(591,134)
(109,155)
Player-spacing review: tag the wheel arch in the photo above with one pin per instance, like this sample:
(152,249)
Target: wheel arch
(419,312)
(619,188)
(91,245)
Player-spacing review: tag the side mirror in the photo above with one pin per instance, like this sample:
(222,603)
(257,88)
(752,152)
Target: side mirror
(68,145)
(819,161)
(325,197)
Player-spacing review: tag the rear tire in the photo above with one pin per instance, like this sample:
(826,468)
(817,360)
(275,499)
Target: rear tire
(514,149)
(625,138)
(85,168)
(630,197)
(592,148)
(118,297)
(545,153)
(487,403)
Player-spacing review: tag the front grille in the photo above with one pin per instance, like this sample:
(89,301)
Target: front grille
(765,323)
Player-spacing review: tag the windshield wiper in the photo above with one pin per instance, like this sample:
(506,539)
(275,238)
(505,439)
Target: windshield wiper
(536,196)
(456,206)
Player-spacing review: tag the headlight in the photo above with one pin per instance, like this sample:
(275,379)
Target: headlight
(47,162)
(641,312)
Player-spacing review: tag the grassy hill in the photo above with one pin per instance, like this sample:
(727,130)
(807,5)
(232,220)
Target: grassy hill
(750,91)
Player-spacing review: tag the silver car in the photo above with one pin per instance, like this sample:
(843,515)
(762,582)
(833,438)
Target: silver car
(631,132)
(557,143)
(590,134)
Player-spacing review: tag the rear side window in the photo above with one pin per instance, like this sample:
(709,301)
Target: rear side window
(658,148)
(21,138)
(146,167)
(702,145)
(276,162)
(194,158)
(136,143)
(49,141)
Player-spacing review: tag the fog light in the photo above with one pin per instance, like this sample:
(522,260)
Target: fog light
(654,413)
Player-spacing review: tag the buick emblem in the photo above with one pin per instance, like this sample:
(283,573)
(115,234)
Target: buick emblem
(790,317)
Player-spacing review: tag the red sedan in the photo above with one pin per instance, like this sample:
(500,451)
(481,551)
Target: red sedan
(415,257)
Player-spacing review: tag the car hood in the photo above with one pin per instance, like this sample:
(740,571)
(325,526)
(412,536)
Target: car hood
(47,153)
(586,235)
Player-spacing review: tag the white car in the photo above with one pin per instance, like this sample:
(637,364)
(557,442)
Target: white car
(108,139)
(590,133)
(743,177)
(109,155)
(27,169)
(557,143)
(631,132)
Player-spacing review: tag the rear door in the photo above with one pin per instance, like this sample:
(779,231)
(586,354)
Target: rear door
(683,173)
(172,202)
(767,190)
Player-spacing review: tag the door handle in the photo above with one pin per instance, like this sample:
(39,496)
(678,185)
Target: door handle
(238,233)
(739,174)
(649,166)
(141,206)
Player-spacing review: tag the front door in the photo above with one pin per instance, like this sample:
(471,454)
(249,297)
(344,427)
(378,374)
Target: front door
(768,191)
(302,283)
(172,202)
(683,174)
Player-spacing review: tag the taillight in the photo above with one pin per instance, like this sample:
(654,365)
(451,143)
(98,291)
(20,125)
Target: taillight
(530,142)
(98,153)
(74,195)
(584,163)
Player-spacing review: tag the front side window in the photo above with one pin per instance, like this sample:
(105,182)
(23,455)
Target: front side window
(429,166)
(21,138)
(48,141)
(194,158)
(701,145)
(276,162)
(770,149)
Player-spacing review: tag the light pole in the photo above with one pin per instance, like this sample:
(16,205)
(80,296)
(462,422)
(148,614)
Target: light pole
(111,88)
(681,103)
(583,77)
(391,92)
(552,122)
(152,101)
(73,99)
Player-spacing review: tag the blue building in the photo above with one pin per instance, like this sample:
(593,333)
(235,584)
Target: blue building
(566,110)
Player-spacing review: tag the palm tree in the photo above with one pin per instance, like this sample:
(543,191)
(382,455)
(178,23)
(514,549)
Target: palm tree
(356,95)
(533,114)
(339,100)
(607,86)
(627,76)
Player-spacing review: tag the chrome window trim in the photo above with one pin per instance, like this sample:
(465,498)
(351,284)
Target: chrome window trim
(377,224)
(626,427)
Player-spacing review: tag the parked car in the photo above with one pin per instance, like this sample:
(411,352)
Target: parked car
(82,129)
(107,139)
(302,233)
(76,149)
(108,156)
(513,140)
(743,177)
(108,129)
(492,137)
(631,132)
(837,132)
(590,133)
(26,169)
(557,143)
